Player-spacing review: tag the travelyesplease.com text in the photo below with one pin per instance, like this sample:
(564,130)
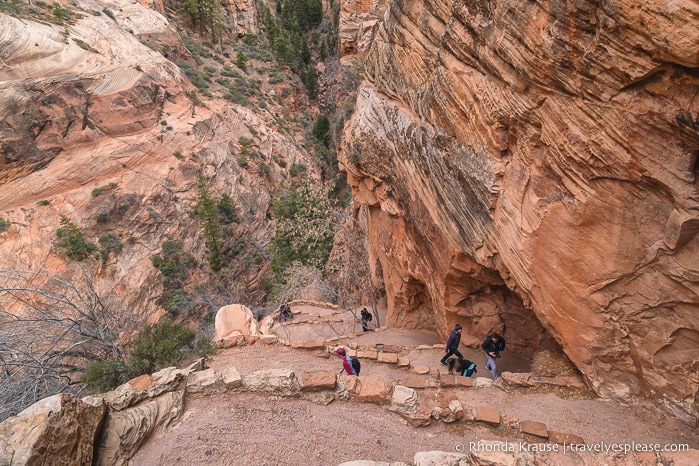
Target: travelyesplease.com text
(599,447)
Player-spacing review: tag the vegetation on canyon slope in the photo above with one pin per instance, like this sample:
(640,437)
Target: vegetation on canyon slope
(95,344)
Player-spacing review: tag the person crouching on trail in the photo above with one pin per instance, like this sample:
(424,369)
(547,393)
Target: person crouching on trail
(453,345)
(346,362)
(493,346)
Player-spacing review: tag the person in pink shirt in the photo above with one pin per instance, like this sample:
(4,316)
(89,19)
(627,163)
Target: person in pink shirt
(348,363)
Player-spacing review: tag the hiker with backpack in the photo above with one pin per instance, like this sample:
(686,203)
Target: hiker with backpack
(462,367)
(453,345)
(350,365)
(366,318)
(493,346)
(285,312)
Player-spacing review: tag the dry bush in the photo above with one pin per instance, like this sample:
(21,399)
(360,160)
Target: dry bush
(51,328)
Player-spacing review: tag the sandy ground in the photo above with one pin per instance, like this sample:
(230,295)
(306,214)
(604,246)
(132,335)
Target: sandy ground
(247,429)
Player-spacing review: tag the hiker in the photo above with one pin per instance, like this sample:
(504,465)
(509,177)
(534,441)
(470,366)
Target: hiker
(453,345)
(462,367)
(366,318)
(285,312)
(349,365)
(493,346)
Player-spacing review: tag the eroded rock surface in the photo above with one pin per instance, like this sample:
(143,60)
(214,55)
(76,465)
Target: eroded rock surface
(532,168)
(60,427)
(143,406)
(98,126)
(359,21)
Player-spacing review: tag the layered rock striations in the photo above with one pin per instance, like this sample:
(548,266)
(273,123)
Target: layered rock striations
(98,126)
(358,22)
(531,167)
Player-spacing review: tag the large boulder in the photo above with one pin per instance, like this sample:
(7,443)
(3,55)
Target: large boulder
(233,323)
(59,429)
(370,390)
(143,406)
(125,431)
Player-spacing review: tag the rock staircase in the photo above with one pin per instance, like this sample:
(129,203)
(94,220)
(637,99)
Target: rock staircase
(115,425)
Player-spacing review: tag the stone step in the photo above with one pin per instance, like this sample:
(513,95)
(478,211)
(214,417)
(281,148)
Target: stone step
(410,398)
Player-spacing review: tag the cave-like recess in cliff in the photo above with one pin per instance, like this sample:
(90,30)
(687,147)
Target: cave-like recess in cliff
(477,298)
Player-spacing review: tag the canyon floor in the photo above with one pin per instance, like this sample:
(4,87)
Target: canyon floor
(249,429)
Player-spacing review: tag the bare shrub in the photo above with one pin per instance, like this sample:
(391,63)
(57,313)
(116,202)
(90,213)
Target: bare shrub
(51,328)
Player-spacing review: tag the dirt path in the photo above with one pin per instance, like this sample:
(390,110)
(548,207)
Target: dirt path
(247,429)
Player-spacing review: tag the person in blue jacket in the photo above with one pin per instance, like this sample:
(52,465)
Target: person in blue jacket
(493,346)
(453,345)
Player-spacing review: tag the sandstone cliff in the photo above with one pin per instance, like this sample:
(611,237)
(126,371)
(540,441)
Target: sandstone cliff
(536,162)
(96,124)
(359,21)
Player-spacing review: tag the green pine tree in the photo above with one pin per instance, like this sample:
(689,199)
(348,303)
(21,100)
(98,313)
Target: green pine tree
(72,239)
(321,129)
(210,221)
(240,60)
(310,80)
(227,209)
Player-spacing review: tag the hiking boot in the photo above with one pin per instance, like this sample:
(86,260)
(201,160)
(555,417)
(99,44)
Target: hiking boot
(442,364)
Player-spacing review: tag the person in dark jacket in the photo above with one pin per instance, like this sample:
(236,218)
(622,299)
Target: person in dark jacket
(493,346)
(453,345)
(366,318)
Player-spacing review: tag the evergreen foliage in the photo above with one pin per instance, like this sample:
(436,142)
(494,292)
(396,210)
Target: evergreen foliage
(156,346)
(297,169)
(173,263)
(160,345)
(210,221)
(206,16)
(227,210)
(110,243)
(102,376)
(4,225)
(240,61)
(179,303)
(309,78)
(72,239)
(321,130)
(289,43)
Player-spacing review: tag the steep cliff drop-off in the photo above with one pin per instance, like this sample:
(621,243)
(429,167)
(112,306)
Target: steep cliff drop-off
(536,162)
(97,124)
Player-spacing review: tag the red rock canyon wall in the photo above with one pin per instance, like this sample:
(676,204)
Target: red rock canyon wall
(536,162)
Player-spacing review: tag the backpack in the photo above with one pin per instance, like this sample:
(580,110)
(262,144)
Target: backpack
(469,368)
(366,315)
(356,366)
